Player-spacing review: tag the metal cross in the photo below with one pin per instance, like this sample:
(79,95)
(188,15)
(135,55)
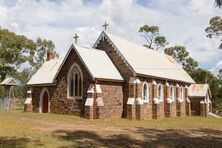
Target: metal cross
(105,25)
(76,37)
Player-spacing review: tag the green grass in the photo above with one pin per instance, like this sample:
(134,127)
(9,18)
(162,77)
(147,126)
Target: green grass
(19,129)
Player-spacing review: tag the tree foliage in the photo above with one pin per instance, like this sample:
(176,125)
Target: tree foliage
(181,55)
(154,39)
(215,28)
(14,51)
(17,50)
(218,3)
(42,47)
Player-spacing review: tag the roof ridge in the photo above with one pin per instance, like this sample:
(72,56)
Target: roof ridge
(149,49)
(89,48)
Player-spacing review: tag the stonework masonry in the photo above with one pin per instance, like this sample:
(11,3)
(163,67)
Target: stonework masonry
(114,95)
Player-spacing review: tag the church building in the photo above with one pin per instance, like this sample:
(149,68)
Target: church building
(116,78)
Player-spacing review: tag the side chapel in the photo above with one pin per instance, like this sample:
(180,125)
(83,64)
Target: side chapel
(113,79)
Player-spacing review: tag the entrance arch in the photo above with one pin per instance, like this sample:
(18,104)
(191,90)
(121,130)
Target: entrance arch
(44,102)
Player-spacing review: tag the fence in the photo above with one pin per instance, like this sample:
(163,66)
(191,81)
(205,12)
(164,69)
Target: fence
(4,103)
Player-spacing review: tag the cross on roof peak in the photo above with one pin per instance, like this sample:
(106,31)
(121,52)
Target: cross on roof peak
(76,37)
(105,26)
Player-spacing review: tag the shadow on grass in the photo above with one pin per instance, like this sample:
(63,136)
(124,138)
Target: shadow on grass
(151,138)
(6,142)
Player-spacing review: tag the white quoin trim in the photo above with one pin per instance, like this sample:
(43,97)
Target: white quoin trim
(153,82)
(130,101)
(89,102)
(180,100)
(177,85)
(169,100)
(157,101)
(91,89)
(134,80)
(139,101)
(188,100)
(41,100)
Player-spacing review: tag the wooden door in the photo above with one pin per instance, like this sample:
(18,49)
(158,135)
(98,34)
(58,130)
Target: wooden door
(45,102)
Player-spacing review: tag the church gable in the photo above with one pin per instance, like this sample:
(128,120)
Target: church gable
(105,44)
(94,61)
(141,61)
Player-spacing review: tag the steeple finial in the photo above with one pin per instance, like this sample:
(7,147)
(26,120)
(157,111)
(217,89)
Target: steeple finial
(76,37)
(105,26)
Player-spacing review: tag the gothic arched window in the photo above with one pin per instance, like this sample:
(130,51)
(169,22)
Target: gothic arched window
(160,92)
(145,92)
(171,92)
(75,82)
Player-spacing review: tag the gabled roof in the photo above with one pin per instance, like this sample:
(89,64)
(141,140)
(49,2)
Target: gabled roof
(145,61)
(96,62)
(198,90)
(9,82)
(46,73)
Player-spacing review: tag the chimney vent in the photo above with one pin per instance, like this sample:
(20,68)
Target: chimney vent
(50,55)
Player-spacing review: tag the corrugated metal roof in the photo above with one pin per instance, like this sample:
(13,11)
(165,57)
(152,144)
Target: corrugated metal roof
(46,73)
(9,82)
(148,62)
(98,63)
(198,90)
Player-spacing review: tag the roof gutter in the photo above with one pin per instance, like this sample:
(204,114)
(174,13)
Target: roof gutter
(161,78)
(107,79)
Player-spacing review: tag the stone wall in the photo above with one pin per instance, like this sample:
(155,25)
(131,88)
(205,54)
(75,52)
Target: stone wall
(122,67)
(112,95)
(60,103)
(163,109)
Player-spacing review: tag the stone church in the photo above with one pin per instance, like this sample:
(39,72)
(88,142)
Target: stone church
(116,78)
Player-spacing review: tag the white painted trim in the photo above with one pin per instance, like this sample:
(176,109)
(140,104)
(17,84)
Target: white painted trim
(161,93)
(68,82)
(134,80)
(169,100)
(130,101)
(146,100)
(41,100)
(72,47)
(89,102)
(188,100)
(139,101)
(153,82)
(91,89)
(172,93)
(104,35)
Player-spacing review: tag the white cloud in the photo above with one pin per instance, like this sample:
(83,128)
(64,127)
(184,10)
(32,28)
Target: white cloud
(182,22)
(202,7)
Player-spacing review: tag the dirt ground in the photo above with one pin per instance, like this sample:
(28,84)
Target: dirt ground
(19,129)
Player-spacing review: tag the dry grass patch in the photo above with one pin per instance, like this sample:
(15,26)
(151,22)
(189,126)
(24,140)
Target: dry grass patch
(51,130)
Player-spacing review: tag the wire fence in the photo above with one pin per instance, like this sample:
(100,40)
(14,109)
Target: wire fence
(4,103)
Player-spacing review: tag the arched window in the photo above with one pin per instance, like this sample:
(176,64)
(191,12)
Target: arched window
(160,92)
(171,92)
(75,82)
(145,92)
(181,92)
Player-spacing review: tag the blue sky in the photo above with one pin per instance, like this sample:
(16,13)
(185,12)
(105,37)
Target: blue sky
(181,21)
